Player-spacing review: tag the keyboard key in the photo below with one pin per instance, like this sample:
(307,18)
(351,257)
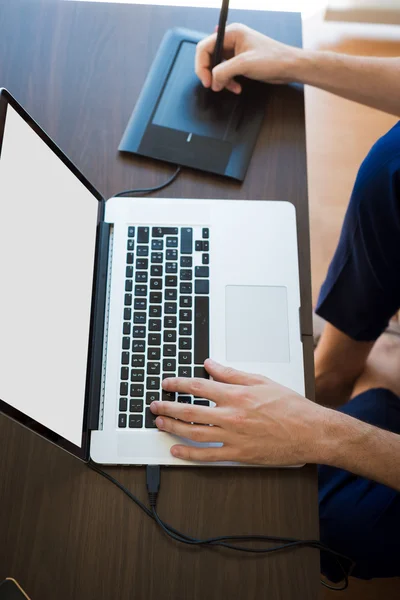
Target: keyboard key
(137,375)
(206,246)
(125,343)
(156,257)
(123,389)
(186,240)
(185,358)
(185,343)
(142,263)
(140,304)
(156,271)
(186,261)
(155,284)
(186,288)
(137,360)
(143,235)
(186,274)
(128,300)
(155,325)
(125,358)
(129,258)
(123,404)
(172,242)
(170,308)
(201,329)
(141,277)
(171,281)
(199,246)
(171,267)
(168,375)
(171,294)
(185,371)
(185,329)
(168,396)
(124,373)
(139,332)
(168,350)
(185,399)
(202,272)
(136,406)
(201,402)
(140,290)
(135,421)
(130,245)
(152,397)
(205,259)
(142,251)
(157,244)
(202,286)
(129,272)
(136,391)
(153,368)
(206,233)
(138,346)
(139,318)
(154,339)
(169,336)
(155,297)
(169,322)
(155,311)
(122,420)
(161,231)
(150,421)
(185,301)
(154,354)
(171,254)
(128,285)
(201,372)
(169,364)
(131,232)
(127,314)
(126,328)
(153,383)
(185,315)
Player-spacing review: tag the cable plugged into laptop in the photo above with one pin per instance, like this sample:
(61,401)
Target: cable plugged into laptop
(153,476)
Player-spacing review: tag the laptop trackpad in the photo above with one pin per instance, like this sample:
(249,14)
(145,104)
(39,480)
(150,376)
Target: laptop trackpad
(257,324)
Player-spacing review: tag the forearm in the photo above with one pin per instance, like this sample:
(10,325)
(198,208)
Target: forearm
(361,448)
(371,81)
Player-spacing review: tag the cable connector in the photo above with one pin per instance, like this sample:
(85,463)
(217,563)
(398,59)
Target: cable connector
(153,475)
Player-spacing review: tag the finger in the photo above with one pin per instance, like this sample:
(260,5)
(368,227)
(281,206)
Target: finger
(228,375)
(202,454)
(196,433)
(224,73)
(234,87)
(187,412)
(203,388)
(205,51)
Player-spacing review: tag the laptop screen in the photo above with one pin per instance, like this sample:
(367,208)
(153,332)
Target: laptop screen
(48,221)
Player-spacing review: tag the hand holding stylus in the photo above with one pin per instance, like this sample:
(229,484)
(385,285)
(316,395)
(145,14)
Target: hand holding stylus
(247,53)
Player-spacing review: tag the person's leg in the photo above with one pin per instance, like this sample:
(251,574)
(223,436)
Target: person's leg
(358,517)
(362,288)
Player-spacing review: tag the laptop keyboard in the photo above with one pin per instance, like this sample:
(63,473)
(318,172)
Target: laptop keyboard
(165,331)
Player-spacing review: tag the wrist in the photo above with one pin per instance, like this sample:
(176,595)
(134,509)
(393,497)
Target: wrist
(306,65)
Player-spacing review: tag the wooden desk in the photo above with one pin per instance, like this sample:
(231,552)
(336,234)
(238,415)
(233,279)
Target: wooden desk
(65,532)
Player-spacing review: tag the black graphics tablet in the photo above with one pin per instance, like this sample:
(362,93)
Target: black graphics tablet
(178,121)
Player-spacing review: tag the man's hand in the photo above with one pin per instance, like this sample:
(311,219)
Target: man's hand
(258,421)
(248,53)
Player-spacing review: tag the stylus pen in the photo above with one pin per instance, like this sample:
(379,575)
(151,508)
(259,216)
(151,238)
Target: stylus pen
(219,44)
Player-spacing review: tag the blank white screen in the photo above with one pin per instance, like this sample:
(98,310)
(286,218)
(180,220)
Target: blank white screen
(47,243)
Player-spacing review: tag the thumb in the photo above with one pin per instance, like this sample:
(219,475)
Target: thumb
(223,74)
(228,375)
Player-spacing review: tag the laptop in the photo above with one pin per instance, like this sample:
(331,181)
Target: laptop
(101,300)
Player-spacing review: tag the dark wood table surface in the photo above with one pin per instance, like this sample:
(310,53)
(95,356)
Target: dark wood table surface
(65,532)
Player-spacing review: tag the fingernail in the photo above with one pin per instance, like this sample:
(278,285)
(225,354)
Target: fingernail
(165,383)
(176,452)
(154,407)
(211,362)
(160,422)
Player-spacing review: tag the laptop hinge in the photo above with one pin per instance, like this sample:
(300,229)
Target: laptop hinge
(99,317)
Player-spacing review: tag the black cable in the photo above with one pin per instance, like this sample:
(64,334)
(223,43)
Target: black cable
(153,485)
(150,190)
